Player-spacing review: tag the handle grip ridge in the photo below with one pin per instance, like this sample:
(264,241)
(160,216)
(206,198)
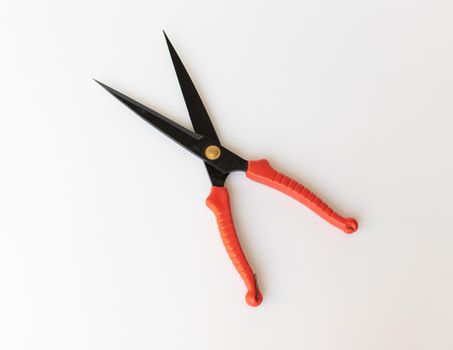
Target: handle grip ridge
(218,201)
(261,171)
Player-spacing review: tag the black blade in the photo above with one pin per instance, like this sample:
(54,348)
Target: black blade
(199,116)
(193,142)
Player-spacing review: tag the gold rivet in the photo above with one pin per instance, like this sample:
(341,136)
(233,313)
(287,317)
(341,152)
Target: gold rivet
(212,152)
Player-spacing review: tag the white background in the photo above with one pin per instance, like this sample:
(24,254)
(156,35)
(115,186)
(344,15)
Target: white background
(105,240)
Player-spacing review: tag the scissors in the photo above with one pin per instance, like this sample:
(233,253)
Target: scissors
(220,162)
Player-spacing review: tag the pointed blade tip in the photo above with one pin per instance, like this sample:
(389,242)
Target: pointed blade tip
(167,40)
(97,81)
(166,36)
(108,88)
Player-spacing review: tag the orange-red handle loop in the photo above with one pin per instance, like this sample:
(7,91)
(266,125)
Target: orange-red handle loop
(218,201)
(262,172)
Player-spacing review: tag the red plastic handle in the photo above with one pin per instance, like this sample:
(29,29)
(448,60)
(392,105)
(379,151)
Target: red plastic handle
(262,172)
(218,201)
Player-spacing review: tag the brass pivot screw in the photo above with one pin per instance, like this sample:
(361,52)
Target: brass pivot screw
(212,152)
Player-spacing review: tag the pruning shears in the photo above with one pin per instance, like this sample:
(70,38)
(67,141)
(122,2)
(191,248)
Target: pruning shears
(220,162)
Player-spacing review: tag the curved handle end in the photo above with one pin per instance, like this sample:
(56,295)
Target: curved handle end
(351,225)
(253,299)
